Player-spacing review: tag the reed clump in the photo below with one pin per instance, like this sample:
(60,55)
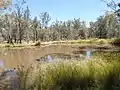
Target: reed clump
(94,74)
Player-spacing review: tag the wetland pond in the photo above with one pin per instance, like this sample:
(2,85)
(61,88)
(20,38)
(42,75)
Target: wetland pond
(11,58)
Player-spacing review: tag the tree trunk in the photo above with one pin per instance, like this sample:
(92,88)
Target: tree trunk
(20,34)
(15,40)
(10,40)
(20,39)
(36,36)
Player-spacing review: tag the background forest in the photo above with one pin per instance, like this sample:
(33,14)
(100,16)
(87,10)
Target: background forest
(16,25)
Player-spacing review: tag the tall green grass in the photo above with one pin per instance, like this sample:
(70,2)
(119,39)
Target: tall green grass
(27,77)
(107,56)
(82,75)
(95,74)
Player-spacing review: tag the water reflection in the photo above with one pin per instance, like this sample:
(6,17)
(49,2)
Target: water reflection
(49,58)
(1,64)
(11,58)
(88,54)
(60,56)
(14,57)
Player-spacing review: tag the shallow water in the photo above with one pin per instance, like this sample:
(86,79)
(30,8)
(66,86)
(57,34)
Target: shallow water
(11,58)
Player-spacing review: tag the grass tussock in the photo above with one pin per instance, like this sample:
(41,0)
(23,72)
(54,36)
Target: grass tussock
(27,77)
(82,75)
(108,56)
(90,41)
(94,74)
(116,42)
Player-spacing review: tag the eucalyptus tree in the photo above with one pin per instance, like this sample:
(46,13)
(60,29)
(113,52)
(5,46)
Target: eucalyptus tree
(45,19)
(92,30)
(19,16)
(35,24)
(8,27)
(56,27)
(79,29)
(76,25)
(69,29)
(83,32)
(111,25)
(115,7)
(27,27)
(2,29)
(101,29)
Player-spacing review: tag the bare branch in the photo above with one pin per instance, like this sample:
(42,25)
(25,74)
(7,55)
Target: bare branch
(111,4)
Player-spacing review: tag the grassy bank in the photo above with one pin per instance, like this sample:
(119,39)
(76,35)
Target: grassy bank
(99,73)
(94,42)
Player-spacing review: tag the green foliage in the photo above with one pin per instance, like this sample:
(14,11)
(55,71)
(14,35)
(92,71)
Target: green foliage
(106,26)
(91,41)
(98,73)
(17,26)
(116,42)
(82,75)
(101,41)
(108,56)
(27,78)
(37,29)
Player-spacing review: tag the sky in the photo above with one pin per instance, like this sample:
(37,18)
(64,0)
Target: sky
(86,10)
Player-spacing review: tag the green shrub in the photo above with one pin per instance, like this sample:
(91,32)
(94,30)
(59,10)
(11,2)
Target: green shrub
(116,42)
(95,74)
(107,56)
(101,41)
(82,75)
(90,41)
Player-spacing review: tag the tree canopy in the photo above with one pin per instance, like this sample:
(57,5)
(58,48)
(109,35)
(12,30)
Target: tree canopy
(17,26)
(4,4)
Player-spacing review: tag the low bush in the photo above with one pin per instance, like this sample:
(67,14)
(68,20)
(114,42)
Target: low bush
(116,42)
(90,41)
(101,41)
(87,75)
(95,74)
(37,43)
